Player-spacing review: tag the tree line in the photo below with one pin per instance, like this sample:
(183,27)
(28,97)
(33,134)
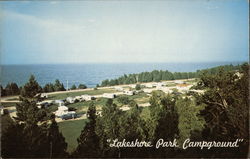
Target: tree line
(13,89)
(157,76)
(219,114)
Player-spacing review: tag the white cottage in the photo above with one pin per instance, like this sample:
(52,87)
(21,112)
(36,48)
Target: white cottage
(109,95)
(70,100)
(118,88)
(59,102)
(64,113)
(79,98)
(87,97)
(130,93)
(44,95)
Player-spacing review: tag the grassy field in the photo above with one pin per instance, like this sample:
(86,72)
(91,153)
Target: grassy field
(13,99)
(81,107)
(138,98)
(8,104)
(73,94)
(71,130)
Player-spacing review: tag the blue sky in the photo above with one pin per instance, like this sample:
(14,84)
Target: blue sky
(124,31)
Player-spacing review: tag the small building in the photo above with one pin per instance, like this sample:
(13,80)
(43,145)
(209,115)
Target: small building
(78,98)
(87,97)
(178,82)
(70,100)
(61,110)
(63,113)
(118,88)
(109,95)
(44,95)
(132,85)
(130,93)
(59,102)
(148,85)
(43,104)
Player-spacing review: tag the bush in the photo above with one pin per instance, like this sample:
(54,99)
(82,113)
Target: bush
(82,86)
(138,87)
(123,100)
(73,87)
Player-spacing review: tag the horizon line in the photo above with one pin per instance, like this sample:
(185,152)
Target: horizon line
(79,63)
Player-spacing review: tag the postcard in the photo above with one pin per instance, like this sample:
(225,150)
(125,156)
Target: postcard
(125,79)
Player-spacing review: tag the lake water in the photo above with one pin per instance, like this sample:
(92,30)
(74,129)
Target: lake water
(90,74)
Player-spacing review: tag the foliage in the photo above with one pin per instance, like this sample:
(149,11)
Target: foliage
(49,87)
(58,86)
(82,86)
(57,143)
(107,127)
(88,141)
(227,105)
(10,89)
(138,87)
(189,118)
(73,87)
(157,76)
(31,89)
(30,133)
(123,100)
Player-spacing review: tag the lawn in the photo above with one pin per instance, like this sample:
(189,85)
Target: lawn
(138,98)
(73,94)
(71,130)
(8,104)
(13,99)
(82,107)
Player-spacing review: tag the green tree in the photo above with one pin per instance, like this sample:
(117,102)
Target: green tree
(58,86)
(31,89)
(13,144)
(3,92)
(138,87)
(164,121)
(73,87)
(227,104)
(108,127)
(189,118)
(12,89)
(82,86)
(123,100)
(57,143)
(32,120)
(49,87)
(132,128)
(88,141)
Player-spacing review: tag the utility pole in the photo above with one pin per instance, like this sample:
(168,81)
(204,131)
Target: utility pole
(67,85)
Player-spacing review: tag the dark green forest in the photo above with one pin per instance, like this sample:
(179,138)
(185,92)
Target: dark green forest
(13,89)
(221,113)
(157,76)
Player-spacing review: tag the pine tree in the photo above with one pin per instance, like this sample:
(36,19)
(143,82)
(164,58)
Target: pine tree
(57,143)
(73,87)
(88,141)
(58,86)
(31,89)
(107,127)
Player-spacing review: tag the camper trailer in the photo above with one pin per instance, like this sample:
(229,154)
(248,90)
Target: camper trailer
(109,95)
